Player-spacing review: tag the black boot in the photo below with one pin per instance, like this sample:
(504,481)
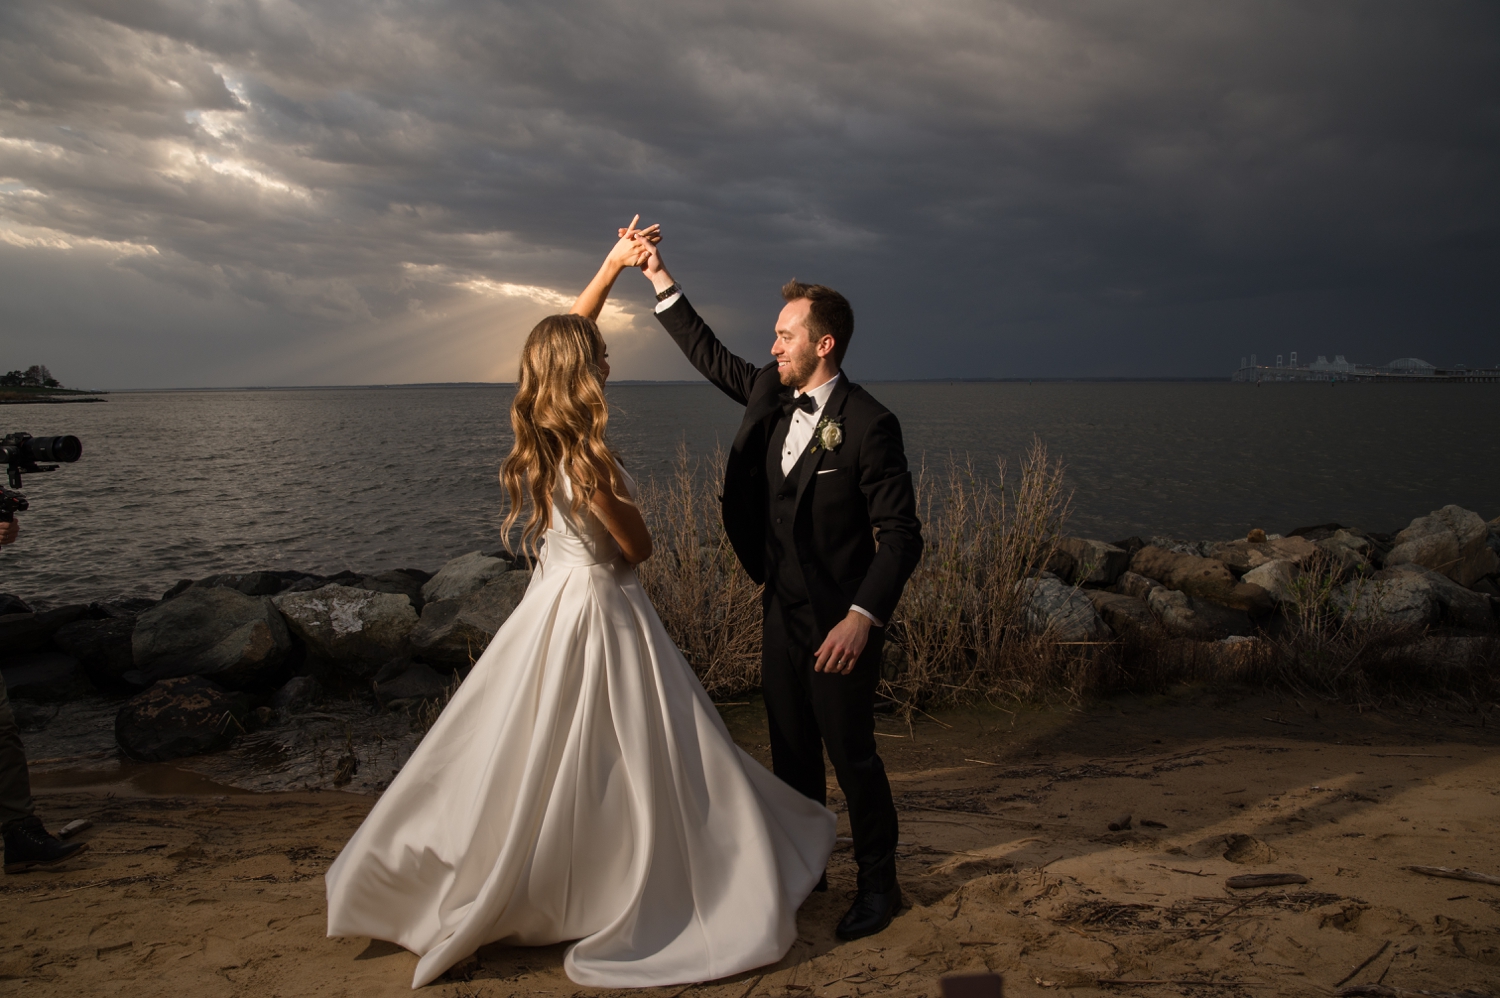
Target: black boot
(28,844)
(871,912)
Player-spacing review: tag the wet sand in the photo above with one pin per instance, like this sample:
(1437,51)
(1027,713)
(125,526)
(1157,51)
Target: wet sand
(194,887)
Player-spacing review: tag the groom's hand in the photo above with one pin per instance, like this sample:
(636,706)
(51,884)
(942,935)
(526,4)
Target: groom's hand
(844,644)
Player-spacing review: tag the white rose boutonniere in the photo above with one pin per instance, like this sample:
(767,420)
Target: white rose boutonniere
(828,435)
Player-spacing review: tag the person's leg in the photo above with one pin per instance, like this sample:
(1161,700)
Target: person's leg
(15,783)
(845,710)
(28,844)
(796,747)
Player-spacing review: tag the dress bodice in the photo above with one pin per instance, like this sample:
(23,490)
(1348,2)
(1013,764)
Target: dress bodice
(579,539)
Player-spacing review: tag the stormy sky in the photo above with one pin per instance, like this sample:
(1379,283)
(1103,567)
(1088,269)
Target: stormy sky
(268,193)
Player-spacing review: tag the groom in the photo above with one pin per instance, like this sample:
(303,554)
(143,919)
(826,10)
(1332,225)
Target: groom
(818,504)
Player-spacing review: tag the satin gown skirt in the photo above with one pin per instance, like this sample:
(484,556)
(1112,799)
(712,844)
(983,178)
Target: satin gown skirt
(581,786)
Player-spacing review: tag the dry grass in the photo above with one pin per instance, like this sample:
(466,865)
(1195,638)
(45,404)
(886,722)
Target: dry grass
(708,604)
(961,634)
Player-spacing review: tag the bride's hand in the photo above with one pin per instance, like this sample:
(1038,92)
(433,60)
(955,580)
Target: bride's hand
(629,251)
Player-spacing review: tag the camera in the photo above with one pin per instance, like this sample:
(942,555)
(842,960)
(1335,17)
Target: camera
(26,454)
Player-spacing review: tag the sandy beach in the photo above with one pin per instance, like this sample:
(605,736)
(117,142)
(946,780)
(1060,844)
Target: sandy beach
(192,887)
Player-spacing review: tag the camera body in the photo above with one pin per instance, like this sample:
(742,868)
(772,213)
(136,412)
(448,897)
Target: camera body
(25,454)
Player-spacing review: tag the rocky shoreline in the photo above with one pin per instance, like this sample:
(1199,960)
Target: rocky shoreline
(287,680)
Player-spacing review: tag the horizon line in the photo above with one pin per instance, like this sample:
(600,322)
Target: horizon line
(1144,379)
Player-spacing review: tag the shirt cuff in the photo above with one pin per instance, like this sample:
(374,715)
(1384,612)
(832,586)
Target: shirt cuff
(662,306)
(866,613)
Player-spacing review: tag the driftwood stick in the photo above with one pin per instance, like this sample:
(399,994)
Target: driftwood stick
(1473,876)
(1363,964)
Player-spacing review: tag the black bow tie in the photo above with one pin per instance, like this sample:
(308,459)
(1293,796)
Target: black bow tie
(804,402)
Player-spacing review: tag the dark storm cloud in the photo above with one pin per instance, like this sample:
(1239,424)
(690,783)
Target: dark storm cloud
(1002,188)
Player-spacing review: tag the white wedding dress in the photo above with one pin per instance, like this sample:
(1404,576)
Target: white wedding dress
(581,786)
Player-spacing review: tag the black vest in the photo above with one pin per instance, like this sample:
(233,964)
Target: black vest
(784,576)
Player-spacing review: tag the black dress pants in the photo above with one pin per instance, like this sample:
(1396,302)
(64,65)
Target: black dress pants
(810,710)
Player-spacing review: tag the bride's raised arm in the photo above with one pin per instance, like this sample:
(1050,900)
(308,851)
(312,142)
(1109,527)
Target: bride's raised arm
(628,252)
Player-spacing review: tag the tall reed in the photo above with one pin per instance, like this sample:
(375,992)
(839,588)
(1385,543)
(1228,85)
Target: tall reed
(705,600)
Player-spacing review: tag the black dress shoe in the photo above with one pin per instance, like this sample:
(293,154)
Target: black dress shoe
(871,912)
(822,885)
(28,844)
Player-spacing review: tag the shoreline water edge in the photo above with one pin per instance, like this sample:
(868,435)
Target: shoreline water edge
(296,680)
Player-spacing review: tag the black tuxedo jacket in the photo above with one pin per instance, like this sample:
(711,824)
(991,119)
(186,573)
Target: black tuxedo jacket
(857,533)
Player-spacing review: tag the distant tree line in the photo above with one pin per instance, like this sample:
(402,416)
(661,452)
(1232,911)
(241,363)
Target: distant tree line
(35,376)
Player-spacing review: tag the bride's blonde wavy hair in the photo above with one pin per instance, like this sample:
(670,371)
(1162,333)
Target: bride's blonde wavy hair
(559,417)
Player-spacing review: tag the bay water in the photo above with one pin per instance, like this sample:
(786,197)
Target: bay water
(185,484)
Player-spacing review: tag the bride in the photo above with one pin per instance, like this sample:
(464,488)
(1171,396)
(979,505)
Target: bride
(580,785)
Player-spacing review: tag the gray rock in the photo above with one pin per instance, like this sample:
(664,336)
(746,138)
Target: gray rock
(249,583)
(1082,562)
(464,576)
(396,582)
(236,640)
(103,650)
(420,682)
(1451,541)
(44,675)
(1244,556)
(1457,606)
(1203,578)
(29,632)
(1203,620)
(1060,611)
(299,693)
(1276,578)
(1392,601)
(1136,586)
(355,628)
(456,632)
(177,718)
(1124,614)
(1351,552)
(12,604)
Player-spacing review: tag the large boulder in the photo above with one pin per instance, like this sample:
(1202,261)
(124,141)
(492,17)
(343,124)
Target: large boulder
(179,717)
(249,583)
(1451,541)
(1124,614)
(456,632)
(1242,556)
(103,649)
(354,628)
(1060,611)
(44,675)
(1136,586)
(1457,606)
(299,693)
(1084,562)
(403,582)
(1205,578)
(1203,620)
(416,683)
(464,576)
(1275,577)
(1390,601)
(28,632)
(1350,551)
(236,640)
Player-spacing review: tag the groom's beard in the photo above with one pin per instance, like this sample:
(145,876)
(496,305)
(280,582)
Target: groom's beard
(798,370)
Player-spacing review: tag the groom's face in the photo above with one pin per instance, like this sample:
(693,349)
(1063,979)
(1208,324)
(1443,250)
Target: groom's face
(795,352)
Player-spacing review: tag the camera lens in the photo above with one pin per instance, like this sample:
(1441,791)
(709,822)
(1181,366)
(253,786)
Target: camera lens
(63,449)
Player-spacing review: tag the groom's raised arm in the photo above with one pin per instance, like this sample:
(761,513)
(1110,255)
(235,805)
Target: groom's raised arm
(733,375)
